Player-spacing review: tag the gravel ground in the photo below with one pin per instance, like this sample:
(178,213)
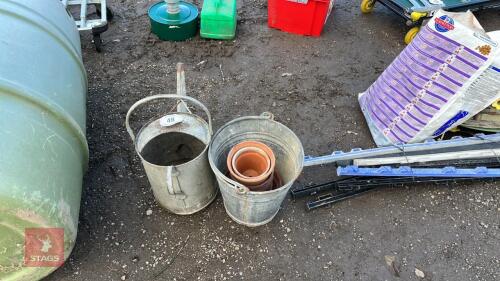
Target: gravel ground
(440,232)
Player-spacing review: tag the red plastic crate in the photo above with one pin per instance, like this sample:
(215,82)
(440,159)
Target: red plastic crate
(305,17)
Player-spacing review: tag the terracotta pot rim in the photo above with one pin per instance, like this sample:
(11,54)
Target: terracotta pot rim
(251,149)
(248,144)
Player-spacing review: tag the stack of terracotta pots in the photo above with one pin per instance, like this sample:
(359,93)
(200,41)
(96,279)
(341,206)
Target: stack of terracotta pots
(252,164)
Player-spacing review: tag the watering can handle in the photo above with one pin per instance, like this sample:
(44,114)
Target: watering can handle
(172,173)
(165,96)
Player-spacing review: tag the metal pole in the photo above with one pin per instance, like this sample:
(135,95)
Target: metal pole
(459,144)
(104,11)
(83,14)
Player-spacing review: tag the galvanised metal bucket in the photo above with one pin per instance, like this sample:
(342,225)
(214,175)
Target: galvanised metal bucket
(173,150)
(247,207)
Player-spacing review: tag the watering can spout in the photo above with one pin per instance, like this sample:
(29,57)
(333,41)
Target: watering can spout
(181,88)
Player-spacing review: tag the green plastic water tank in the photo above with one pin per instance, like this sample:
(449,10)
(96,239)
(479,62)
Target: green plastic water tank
(43,150)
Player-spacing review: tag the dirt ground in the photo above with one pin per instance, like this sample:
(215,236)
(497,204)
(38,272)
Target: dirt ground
(447,232)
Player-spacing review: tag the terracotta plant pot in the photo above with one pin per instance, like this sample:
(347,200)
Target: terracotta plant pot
(274,181)
(251,163)
(266,185)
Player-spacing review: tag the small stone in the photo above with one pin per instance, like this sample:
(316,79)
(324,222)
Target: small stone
(288,229)
(419,273)
(123,277)
(286,74)
(149,212)
(353,133)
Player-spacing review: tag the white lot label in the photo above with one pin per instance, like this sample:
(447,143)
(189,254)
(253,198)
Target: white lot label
(170,120)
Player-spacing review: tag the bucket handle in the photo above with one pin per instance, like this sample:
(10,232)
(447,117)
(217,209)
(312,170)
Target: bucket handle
(267,115)
(241,189)
(165,96)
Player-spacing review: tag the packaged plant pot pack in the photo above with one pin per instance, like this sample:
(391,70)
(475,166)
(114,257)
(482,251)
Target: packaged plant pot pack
(446,75)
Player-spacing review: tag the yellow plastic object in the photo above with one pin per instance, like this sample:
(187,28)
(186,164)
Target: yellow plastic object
(415,16)
(411,34)
(496,105)
(367,6)
(455,130)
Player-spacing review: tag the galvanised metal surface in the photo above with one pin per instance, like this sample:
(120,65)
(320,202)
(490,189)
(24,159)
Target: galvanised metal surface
(254,208)
(43,148)
(185,188)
